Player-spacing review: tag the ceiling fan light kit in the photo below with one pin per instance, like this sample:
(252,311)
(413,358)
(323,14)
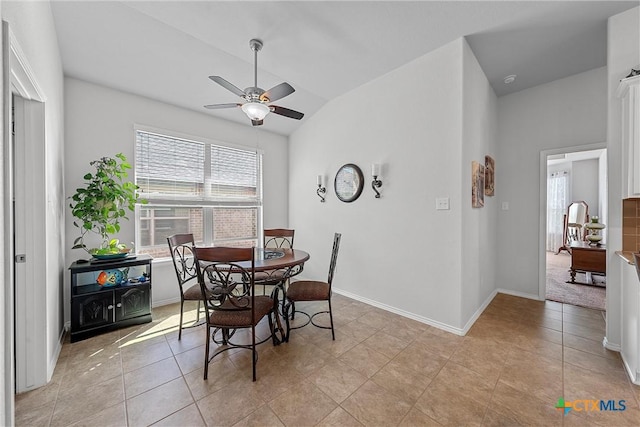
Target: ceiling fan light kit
(255,110)
(256,98)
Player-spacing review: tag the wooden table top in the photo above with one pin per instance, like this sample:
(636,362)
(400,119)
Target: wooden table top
(585,245)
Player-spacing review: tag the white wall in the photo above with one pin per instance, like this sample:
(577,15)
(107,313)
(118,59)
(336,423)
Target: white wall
(479,226)
(100,122)
(398,252)
(623,53)
(584,183)
(568,112)
(32,24)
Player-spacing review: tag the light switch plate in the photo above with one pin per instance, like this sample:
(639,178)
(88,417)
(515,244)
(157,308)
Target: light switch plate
(505,206)
(442,203)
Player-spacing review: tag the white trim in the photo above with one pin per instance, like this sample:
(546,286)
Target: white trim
(610,346)
(519,294)
(7,416)
(633,376)
(421,319)
(479,312)
(56,353)
(542,211)
(22,76)
(165,302)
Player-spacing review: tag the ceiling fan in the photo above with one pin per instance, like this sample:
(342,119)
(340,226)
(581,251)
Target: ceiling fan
(256,107)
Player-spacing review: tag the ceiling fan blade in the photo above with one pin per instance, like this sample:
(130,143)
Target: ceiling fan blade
(219,106)
(257,122)
(292,114)
(225,84)
(277,92)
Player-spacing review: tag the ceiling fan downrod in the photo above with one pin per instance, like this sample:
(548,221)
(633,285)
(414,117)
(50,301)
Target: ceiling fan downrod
(255,45)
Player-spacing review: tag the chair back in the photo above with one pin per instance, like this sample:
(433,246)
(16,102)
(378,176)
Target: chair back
(279,238)
(181,248)
(226,277)
(334,257)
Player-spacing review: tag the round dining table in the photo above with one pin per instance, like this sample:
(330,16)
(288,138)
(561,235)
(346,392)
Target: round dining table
(267,259)
(275,266)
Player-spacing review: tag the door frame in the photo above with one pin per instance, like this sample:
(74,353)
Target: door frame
(542,242)
(19,80)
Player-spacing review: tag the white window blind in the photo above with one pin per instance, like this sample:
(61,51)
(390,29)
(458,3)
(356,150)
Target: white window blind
(209,190)
(233,173)
(169,166)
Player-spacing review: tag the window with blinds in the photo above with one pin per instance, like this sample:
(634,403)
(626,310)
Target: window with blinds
(209,190)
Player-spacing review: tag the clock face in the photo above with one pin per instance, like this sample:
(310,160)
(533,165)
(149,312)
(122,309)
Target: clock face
(349,182)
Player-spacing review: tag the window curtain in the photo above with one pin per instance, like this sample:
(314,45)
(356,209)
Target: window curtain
(557,201)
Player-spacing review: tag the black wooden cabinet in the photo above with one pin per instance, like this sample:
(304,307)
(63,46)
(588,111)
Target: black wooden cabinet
(106,295)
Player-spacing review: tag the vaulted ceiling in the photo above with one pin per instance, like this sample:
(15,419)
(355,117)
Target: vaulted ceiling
(166,50)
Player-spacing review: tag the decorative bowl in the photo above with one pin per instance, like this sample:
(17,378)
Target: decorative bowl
(118,255)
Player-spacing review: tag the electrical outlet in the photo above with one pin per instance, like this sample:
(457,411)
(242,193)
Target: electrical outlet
(442,204)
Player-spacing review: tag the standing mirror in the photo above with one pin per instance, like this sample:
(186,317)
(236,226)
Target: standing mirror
(574,220)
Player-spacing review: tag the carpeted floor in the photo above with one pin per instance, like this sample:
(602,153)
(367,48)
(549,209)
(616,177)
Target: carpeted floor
(569,293)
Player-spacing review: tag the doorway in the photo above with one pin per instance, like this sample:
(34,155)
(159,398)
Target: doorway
(24,358)
(574,176)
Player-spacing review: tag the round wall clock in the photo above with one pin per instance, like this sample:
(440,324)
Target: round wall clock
(349,182)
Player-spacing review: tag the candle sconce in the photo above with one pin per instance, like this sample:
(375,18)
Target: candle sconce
(321,189)
(376,183)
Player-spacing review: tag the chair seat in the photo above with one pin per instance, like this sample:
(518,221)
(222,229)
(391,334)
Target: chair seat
(308,290)
(193,293)
(242,318)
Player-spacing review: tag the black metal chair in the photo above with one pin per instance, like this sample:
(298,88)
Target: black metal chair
(181,248)
(279,238)
(311,290)
(275,238)
(226,277)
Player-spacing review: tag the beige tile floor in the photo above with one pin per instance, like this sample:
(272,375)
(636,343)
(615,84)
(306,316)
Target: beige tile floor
(382,370)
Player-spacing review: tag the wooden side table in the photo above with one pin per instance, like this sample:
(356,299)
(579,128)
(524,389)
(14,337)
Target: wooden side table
(588,259)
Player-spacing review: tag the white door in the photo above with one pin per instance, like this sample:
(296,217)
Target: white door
(30,301)
(24,208)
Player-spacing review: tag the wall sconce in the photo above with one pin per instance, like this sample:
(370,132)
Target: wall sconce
(376,183)
(321,189)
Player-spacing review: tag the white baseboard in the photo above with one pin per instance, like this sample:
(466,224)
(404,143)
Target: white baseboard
(56,353)
(633,376)
(478,312)
(403,313)
(611,346)
(162,302)
(519,294)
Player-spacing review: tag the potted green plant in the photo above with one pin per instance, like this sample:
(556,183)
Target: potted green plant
(102,202)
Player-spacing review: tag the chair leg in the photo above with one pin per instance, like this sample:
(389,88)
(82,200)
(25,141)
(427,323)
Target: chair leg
(333,335)
(293,310)
(274,339)
(181,311)
(253,350)
(206,353)
(285,313)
